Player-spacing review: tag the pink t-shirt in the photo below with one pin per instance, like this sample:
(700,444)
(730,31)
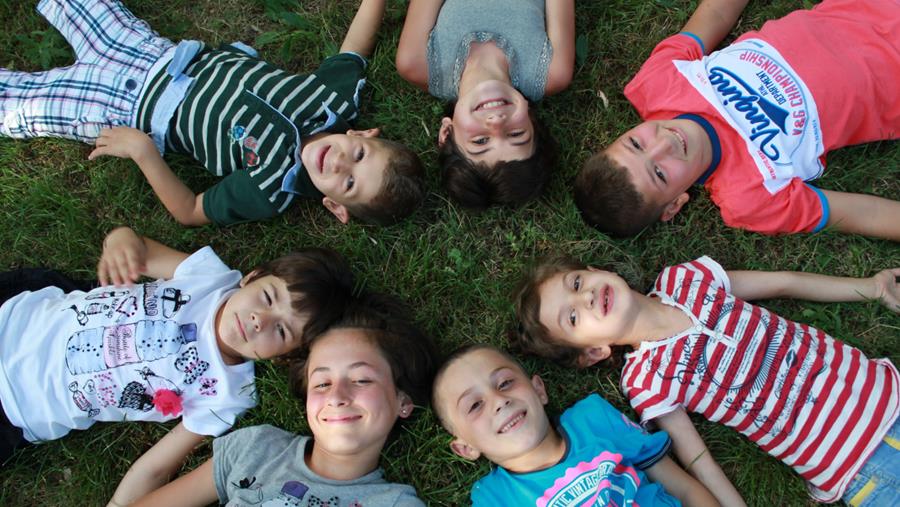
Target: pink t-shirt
(779,99)
(815,403)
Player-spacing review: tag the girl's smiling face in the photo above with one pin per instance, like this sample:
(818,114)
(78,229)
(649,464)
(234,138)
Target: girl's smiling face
(351,399)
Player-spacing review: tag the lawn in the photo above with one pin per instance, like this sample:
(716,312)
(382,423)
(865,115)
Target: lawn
(456,268)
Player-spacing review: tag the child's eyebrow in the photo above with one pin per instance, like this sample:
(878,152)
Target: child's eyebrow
(358,364)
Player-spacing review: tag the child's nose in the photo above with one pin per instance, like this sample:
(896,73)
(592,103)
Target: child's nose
(338,396)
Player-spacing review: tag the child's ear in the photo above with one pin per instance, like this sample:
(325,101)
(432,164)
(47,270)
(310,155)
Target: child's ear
(593,355)
(445,130)
(538,384)
(247,277)
(674,207)
(337,209)
(365,133)
(406,405)
(464,450)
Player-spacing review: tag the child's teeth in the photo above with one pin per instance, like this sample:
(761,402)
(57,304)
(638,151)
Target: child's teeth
(510,424)
(493,103)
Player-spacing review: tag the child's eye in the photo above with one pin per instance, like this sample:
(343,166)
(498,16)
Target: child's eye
(576,283)
(634,143)
(362,381)
(268,298)
(350,182)
(572,317)
(360,154)
(475,406)
(281,331)
(323,385)
(505,384)
(518,133)
(659,174)
(480,140)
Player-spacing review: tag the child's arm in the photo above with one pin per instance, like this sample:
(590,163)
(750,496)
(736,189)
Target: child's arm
(864,214)
(154,468)
(693,454)
(561,31)
(713,19)
(362,33)
(195,489)
(750,285)
(126,256)
(412,59)
(679,484)
(126,142)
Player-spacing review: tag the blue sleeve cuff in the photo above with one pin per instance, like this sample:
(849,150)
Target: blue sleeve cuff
(694,36)
(365,63)
(826,210)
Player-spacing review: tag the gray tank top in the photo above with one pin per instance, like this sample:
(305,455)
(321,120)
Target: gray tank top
(515,26)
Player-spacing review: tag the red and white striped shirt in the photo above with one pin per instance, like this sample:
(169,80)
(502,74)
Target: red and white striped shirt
(811,401)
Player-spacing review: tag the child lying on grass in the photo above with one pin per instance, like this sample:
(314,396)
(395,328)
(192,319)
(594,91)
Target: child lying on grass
(817,404)
(182,345)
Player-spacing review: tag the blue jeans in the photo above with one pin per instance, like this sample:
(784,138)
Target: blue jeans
(878,482)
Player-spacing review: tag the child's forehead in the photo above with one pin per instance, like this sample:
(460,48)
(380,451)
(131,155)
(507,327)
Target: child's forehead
(474,369)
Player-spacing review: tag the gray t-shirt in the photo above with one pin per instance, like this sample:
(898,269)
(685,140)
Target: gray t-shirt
(265,466)
(515,26)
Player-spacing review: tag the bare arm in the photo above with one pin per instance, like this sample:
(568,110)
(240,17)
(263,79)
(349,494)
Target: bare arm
(126,142)
(412,60)
(195,489)
(691,451)
(154,468)
(864,214)
(713,19)
(126,256)
(561,31)
(750,285)
(363,29)
(679,484)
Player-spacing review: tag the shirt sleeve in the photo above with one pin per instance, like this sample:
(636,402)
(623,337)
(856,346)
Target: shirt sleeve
(202,262)
(345,74)
(596,416)
(236,198)
(798,207)
(651,87)
(698,274)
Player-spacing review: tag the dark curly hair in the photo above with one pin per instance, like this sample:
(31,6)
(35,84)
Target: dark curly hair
(608,199)
(402,191)
(512,183)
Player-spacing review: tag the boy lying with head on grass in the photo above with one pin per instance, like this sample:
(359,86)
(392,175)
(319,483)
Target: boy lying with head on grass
(595,455)
(697,345)
(754,121)
(182,345)
(271,135)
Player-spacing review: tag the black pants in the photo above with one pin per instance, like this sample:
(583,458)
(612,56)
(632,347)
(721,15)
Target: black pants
(11,284)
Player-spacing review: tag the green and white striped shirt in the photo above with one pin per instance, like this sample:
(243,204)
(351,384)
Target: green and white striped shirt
(243,119)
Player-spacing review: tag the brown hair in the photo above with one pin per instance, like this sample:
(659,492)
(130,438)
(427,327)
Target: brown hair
(531,336)
(385,322)
(320,283)
(608,199)
(476,185)
(402,191)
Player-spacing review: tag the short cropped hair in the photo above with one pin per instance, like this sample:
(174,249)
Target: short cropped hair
(476,186)
(530,336)
(386,324)
(608,199)
(451,358)
(402,191)
(320,283)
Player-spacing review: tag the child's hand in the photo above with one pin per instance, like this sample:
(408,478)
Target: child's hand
(124,258)
(123,142)
(887,288)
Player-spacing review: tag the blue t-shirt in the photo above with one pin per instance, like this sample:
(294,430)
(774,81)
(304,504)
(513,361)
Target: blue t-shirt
(606,454)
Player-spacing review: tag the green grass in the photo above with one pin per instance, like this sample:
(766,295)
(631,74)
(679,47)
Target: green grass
(456,268)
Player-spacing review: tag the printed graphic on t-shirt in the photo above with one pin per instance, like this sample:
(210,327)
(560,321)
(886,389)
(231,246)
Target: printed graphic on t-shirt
(600,482)
(758,93)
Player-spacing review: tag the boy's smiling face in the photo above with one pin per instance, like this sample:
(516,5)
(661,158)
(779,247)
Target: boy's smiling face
(348,168)
(258,321)
(588,309)
(492,407)
(663,158)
